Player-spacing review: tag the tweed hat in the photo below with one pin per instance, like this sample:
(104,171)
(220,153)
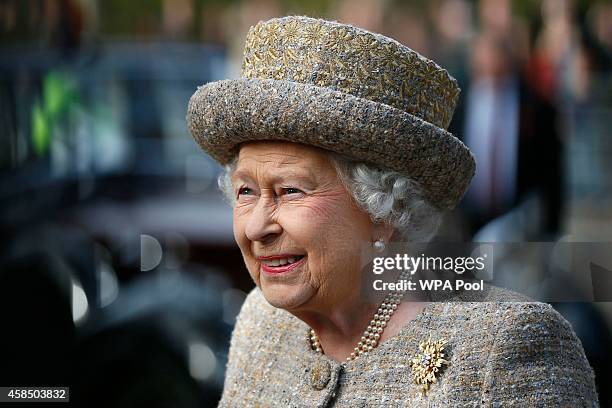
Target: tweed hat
(343,89)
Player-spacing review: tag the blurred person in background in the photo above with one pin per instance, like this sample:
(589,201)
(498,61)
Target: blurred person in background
(557,47)
(570,68)
(513,134)
(332,139)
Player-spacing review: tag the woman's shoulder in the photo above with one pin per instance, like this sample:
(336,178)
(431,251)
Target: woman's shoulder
(513,315)
(497,294)
(524,351)
(536,350)
(492,306)
(534,355)
(509,309)
(486,293)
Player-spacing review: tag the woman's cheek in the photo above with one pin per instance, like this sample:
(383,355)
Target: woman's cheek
(241,239)
(238,228)
(242,208)
(253,269)
(322,206)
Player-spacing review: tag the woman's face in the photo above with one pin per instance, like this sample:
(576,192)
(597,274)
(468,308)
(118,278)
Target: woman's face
(298,229)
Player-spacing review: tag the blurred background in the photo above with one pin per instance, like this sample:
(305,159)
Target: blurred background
(119,274)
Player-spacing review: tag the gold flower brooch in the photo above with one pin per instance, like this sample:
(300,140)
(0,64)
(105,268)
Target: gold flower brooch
(428,363)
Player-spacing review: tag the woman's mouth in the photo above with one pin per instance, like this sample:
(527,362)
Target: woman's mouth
(275,265)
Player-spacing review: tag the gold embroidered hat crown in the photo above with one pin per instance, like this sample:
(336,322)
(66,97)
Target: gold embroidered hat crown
(344,89)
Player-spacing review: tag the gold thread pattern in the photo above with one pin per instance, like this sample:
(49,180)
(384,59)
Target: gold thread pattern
(353,61)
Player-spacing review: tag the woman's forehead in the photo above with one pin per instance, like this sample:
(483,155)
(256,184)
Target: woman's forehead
(277,155)
(275,161)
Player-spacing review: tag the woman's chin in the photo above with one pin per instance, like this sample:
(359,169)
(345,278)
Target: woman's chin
(288,297)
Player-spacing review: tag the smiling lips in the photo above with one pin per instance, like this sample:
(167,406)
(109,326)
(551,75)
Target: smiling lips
(280,263)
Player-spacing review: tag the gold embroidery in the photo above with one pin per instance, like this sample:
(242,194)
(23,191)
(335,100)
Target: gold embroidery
(291,33)
(312,34)
(359,63)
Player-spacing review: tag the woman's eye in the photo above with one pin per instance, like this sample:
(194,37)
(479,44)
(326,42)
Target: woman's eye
(245,191)
(292,190)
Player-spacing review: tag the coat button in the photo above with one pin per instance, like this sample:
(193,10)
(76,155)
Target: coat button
(320,374)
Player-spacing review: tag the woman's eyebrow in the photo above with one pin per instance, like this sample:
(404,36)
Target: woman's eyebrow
(307,177)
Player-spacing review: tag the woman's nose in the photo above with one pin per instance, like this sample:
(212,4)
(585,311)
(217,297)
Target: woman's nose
(262,225)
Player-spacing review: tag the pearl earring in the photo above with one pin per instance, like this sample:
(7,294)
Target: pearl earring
(379,245)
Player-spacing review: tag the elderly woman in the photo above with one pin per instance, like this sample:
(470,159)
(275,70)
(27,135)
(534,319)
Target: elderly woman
(335,136)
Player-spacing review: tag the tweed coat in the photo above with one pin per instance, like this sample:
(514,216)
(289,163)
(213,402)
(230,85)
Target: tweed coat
(502,352)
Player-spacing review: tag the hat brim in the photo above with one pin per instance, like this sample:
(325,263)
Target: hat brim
(223,114)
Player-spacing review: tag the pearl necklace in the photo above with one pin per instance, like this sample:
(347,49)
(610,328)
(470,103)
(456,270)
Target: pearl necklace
(371,336)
